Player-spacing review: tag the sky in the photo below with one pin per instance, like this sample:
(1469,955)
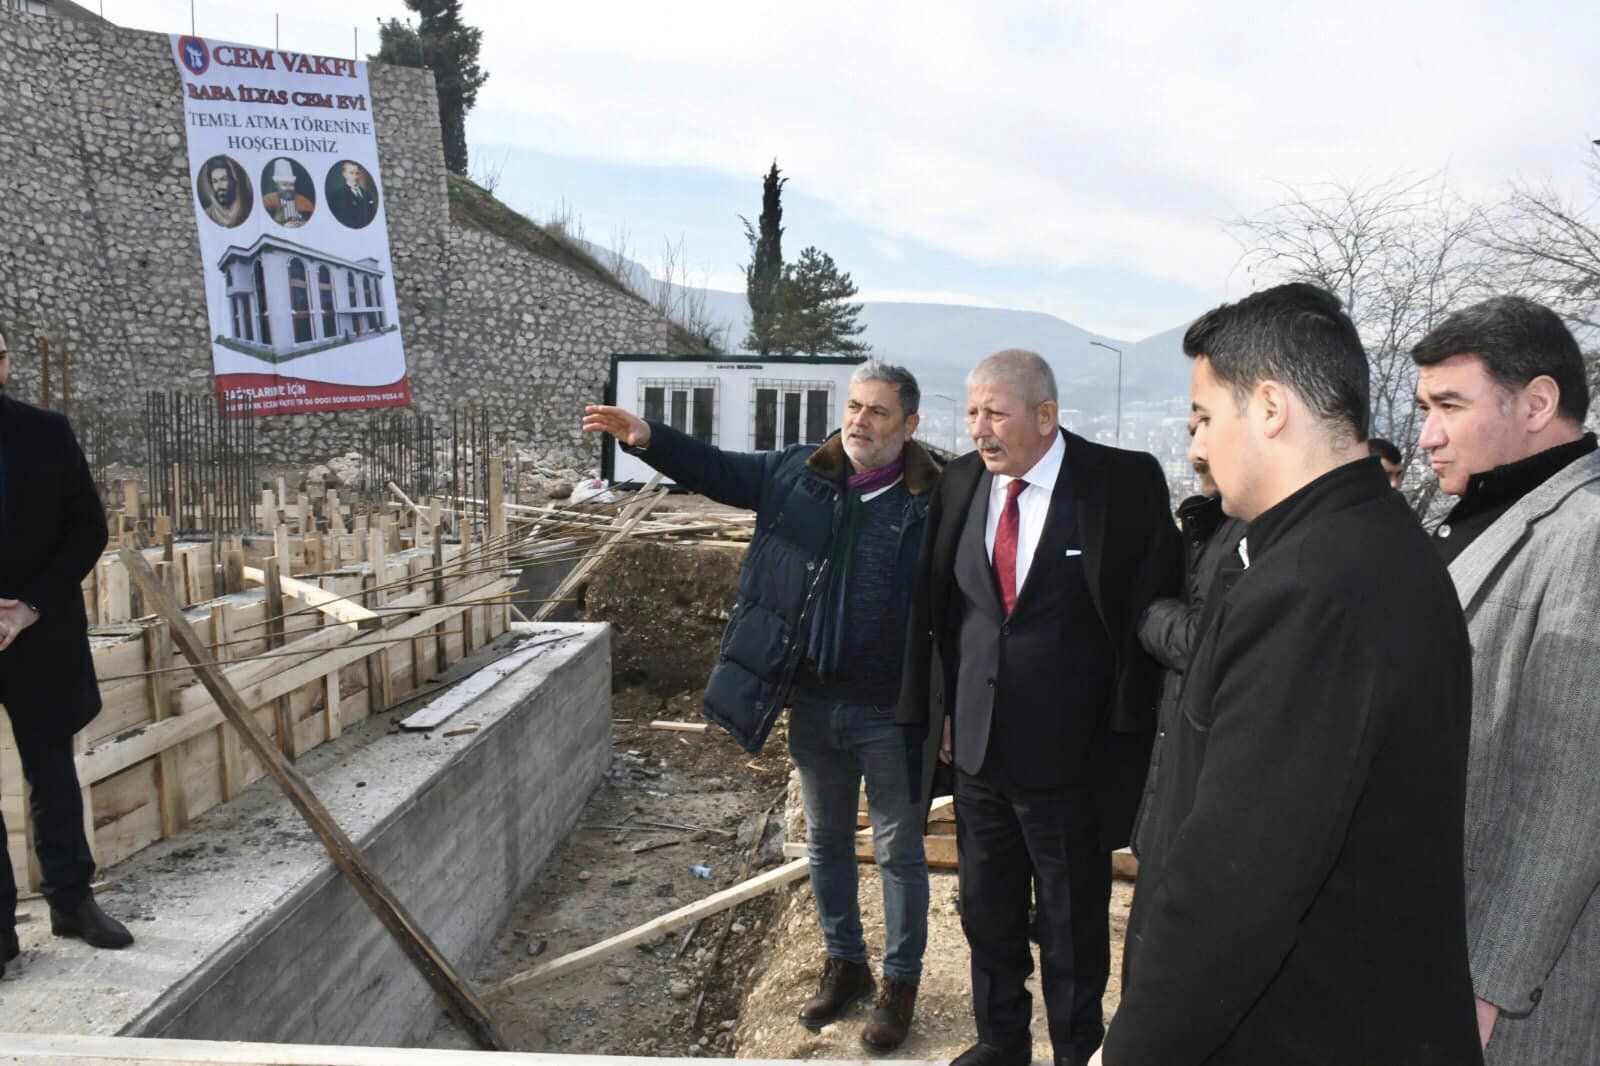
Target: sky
(1078,159)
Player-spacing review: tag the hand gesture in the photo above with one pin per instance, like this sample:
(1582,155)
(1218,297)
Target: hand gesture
(947,753)
(628,428)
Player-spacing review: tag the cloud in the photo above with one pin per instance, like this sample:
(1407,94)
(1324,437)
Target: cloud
(1057,137)
(1114,136)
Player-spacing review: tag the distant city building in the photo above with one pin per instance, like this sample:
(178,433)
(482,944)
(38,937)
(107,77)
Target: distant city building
(285,298)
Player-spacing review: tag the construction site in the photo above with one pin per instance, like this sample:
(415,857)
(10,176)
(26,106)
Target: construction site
(400,755)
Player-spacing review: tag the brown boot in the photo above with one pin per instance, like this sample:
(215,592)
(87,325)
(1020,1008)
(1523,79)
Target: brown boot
(843,982)
(891,1018)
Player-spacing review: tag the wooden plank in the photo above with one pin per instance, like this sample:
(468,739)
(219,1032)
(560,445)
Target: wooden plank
(272,585)
(230,766)
(258,683)
(453,990)
(158,688)
(330,604)
(656,927)
(497,501)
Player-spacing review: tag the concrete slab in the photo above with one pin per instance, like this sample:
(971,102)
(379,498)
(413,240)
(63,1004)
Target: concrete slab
(246,932)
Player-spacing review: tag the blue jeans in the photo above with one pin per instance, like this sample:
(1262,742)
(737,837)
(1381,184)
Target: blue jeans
(835,745)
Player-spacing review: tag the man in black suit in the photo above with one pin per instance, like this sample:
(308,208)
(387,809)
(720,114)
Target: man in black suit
(1300,892)
(1043,550)
(52,531)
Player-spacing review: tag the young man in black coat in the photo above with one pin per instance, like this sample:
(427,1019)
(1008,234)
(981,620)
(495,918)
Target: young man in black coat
(1300,899)
(52,531)
(1042,550)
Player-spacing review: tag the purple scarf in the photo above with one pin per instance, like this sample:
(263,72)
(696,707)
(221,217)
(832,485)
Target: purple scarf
(873,480)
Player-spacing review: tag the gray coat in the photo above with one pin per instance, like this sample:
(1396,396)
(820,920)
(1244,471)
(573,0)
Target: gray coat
(1530,587)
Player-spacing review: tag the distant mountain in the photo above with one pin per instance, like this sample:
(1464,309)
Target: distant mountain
(941,342)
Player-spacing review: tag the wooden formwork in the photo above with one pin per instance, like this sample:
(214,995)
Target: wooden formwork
(160,751)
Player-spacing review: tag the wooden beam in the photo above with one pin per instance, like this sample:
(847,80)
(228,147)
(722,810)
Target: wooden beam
(678,727)
(454,992)
(170,800)
(334,606)
(686,915)
(642,506)
(272,584)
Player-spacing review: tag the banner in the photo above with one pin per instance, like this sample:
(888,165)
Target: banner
(294,241)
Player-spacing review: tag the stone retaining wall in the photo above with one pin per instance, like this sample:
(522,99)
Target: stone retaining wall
(98,246)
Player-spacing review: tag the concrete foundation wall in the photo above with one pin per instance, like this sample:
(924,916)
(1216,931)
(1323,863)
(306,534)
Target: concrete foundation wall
(245,931)
(458,854)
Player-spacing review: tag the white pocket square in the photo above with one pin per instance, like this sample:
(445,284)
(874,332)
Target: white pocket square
(1073,551)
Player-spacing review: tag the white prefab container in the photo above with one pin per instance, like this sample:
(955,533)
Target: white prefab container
(739,403)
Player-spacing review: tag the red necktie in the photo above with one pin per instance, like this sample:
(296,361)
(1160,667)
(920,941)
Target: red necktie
(1005,545)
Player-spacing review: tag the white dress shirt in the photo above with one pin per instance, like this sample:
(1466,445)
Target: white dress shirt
(1033,506)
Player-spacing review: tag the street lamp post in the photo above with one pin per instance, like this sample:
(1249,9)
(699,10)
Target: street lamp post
(1107,347)
(952,399)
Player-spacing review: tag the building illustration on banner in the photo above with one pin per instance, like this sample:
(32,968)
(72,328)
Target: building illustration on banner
(287,300)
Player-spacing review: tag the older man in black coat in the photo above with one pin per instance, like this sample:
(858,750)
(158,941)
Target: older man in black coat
(52,530)
(1300,895)
(1042,551)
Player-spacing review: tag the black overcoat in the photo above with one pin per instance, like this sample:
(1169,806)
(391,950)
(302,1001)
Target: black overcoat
(1300,895)
(1131,556)
(52,531)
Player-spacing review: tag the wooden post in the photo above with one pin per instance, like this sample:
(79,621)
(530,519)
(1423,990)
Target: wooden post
(233,571)
(455,994)
(441,657)
(227,738)
(170,798)
(332,724)
(66,380)
(378,694)
(415,565)
(280,547)
(44,372)
(497,502)
(273,587)
(335,513)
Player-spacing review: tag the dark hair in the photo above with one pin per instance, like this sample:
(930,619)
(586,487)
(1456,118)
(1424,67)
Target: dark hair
(1297,334)
(1385,451)
(1518,340)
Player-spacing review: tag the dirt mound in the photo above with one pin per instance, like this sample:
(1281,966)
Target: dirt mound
(668,605)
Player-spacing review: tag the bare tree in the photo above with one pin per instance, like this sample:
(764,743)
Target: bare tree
(1401,253)
(1548,245)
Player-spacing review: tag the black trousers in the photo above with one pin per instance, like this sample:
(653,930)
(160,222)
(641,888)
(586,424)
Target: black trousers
(1013,842)
(56,804)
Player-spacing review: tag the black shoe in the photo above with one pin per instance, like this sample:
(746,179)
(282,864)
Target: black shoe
(87,922)
(9,948)
(990,1055)
(843,982)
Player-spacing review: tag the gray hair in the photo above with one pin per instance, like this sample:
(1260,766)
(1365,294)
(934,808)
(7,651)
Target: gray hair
(1023,370)
(904,382)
